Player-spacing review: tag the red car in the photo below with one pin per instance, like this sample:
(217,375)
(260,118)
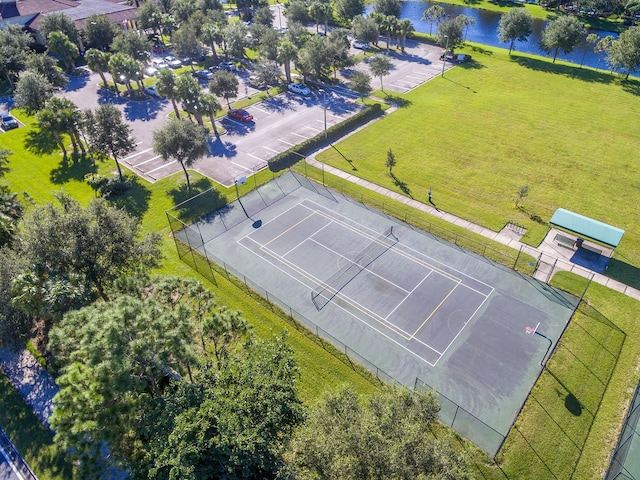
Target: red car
(241,115)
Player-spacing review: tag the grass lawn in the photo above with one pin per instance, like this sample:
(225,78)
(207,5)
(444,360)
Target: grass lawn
(491,126)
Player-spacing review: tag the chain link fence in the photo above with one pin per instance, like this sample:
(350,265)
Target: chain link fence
(618,468)
(14,457)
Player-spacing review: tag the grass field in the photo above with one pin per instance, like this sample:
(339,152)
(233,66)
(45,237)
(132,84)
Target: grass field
(491,126)
(497,135)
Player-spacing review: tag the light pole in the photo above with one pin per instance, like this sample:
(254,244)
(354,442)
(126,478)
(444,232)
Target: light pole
(279,15)
(444,56)
(242,180)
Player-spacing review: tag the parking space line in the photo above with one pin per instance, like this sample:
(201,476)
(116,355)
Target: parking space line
(311,128)
(253,107)
(242,166)
(284,141)
(300,135)
(257,158)
(160,167)
(137,153)
(147,161)
(271,149)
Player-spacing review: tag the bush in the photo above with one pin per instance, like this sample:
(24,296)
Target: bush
(105,186)
(289,157)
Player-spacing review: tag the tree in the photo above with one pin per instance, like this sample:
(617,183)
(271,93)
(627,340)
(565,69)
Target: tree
(523,192)
(320,12)
(210,105)
(32,92)
(297,12)
(48,68)
(182,10)
(516,24)
(361,83)
(563,33)
(210,434)
(434,15)
(624,52)
(123,68)
(297,34)
(263,16)
(380,66)
(224,84)
(365,29)
(10,208)
(387,436)
(116,357)
(15,325)
(391,162)
(211,34)
(132,45)
(390,8)
(287,53)
(14,50)
(99,32)
(268,73)
(337,49)
(190,93)
(313,59)
(450,32)
(405,27)
(349,9)
(387,26)
(268,44)
(149,17)
(59,22)
(58,117)
(108,134)
(235,35)
(98,62)
(183,141)
(60,45)
(185,43)
(167,87)
(100,242)
(603,46)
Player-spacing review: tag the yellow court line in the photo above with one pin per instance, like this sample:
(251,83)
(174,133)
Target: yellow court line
(434,311)
(291,227)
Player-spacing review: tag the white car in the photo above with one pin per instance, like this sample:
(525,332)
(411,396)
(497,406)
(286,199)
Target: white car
(228,66)
(299,88)
(360,45)
(172,61)
(152,91)
(150,70)
(159,64)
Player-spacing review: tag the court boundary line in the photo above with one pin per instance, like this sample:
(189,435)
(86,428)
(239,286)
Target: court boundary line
(368,313)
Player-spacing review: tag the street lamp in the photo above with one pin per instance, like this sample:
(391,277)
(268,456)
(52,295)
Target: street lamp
(444,57)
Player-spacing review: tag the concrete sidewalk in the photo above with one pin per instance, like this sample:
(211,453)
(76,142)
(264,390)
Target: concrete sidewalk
(551,257)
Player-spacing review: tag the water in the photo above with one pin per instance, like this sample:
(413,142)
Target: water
(485,32)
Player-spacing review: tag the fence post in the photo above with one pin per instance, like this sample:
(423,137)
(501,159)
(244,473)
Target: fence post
(455,415)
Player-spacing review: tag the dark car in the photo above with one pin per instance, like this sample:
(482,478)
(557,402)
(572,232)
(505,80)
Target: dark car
(7,122)
(239,114)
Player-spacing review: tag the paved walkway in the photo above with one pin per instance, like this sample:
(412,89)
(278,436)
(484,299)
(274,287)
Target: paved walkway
(552,257)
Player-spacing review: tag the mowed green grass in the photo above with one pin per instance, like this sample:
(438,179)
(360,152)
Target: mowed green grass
(490,127)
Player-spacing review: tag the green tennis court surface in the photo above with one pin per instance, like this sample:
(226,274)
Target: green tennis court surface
(419,308)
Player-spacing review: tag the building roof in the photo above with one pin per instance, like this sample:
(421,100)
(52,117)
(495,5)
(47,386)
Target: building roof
(588,227)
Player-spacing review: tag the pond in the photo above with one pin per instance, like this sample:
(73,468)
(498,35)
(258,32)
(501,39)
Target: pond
(485,32)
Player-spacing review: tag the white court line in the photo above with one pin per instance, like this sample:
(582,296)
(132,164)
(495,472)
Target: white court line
(161,167)
(137,153)
(147,161)
(13,467)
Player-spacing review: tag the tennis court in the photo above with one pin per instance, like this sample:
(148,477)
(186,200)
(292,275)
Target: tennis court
(420,309)
(403,294)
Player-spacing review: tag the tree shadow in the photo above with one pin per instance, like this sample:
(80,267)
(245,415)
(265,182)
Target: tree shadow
(404,188)
(74,169)
(221,148)
(41,142)
(135,200)
(144,110)
(396,100)
(202,200)
(572,71)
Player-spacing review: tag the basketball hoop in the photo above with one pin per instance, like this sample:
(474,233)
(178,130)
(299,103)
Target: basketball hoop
(529,330)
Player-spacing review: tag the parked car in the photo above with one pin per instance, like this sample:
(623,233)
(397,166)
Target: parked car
(449,57)
(172,61)
(203,74)
(229,66)
(360,45)
(239,114)
(152,91)
(7,122)
(255,82)
(159,63)
(299,88)
(150,70)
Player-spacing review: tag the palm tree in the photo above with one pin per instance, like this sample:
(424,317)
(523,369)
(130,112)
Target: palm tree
(404,27)
(388,25)
(210,106)
(98,62)
(189,92)
(166,86)
(211,34)
(287,52)
(66,110)
(49,121)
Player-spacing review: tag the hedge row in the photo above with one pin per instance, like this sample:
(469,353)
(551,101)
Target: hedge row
(289,157)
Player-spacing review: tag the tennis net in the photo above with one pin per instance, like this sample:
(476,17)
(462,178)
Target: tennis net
(324,293)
